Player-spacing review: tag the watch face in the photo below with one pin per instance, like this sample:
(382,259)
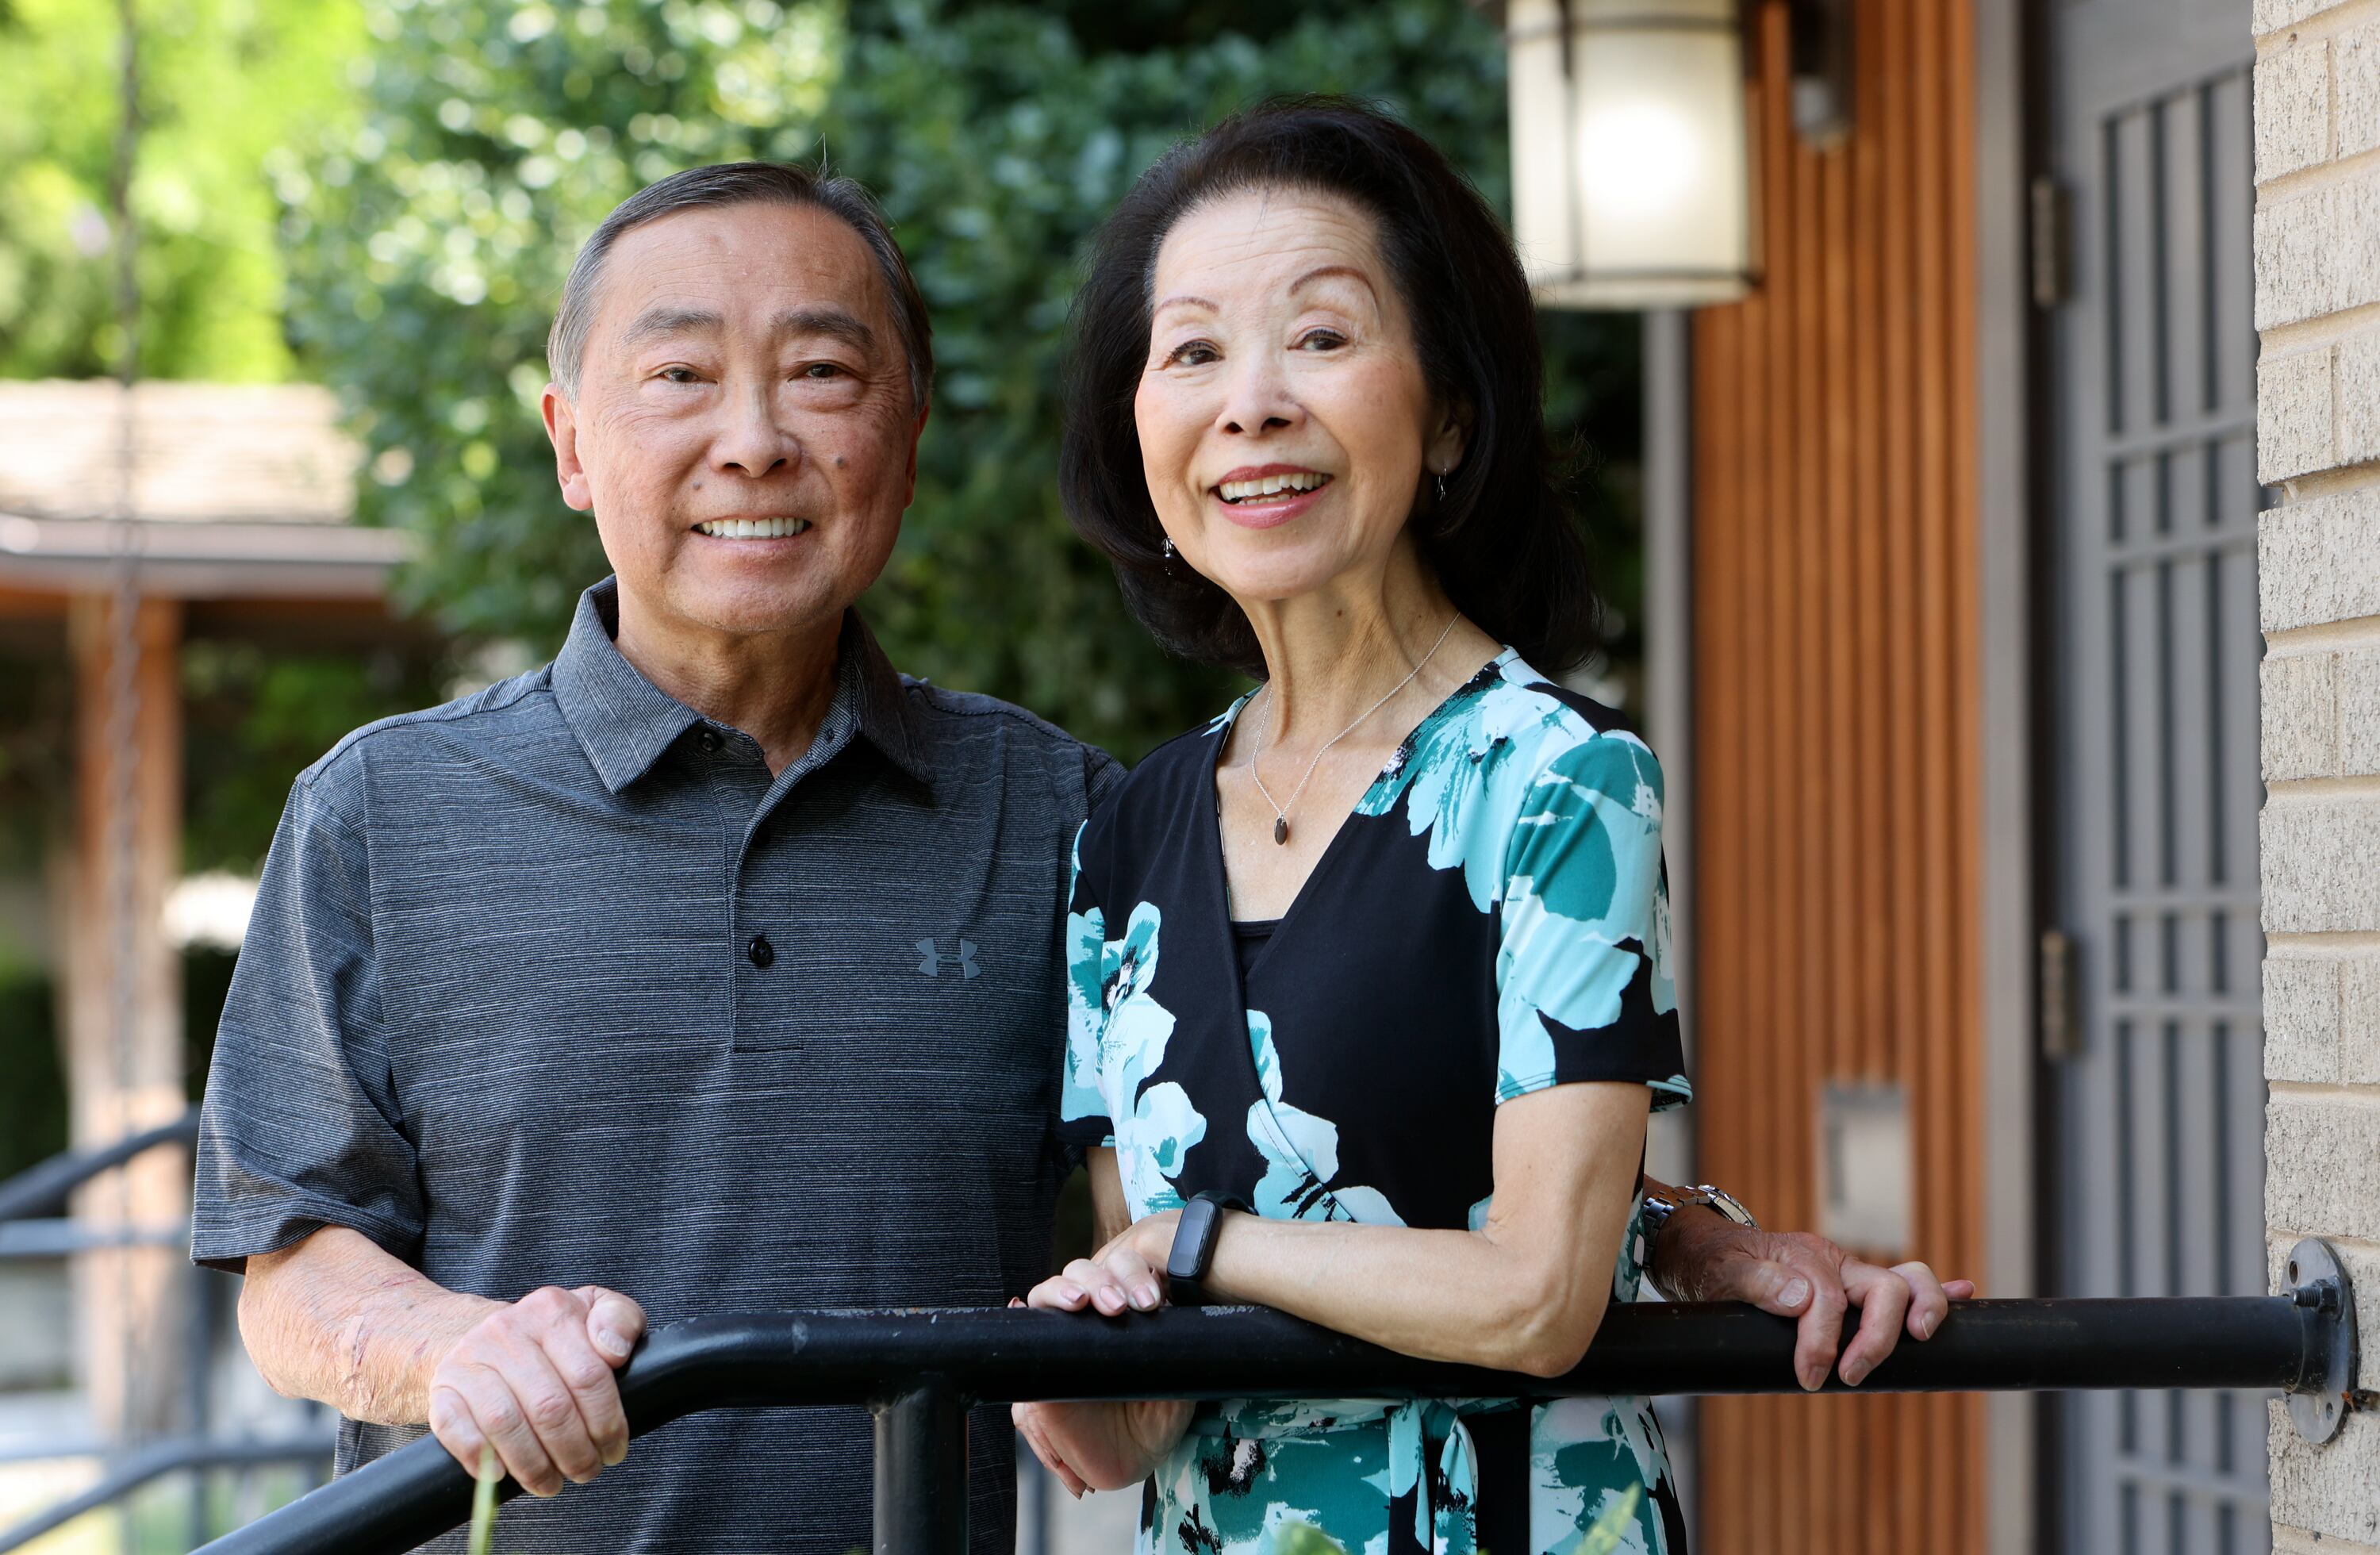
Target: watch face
(1194,1241)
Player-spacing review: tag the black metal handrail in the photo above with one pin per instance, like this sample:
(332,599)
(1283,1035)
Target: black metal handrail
(919,1370)
(183,1455)
(41,1190)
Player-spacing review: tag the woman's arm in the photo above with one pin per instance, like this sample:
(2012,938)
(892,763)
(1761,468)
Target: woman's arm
(1525,1293)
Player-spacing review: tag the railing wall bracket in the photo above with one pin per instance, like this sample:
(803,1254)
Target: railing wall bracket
(2319,1285)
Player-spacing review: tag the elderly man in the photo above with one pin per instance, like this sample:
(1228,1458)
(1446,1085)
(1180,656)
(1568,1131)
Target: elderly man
(713,965)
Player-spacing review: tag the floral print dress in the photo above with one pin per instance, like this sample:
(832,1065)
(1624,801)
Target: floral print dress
(1491,920)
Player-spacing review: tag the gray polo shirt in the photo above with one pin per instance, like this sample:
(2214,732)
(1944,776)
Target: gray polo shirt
(555,985)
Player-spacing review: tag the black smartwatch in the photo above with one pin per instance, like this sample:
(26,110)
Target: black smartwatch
(1193,1243)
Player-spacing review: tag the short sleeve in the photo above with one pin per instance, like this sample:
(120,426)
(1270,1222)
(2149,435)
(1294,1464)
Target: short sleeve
(299,1127)
(1583,978)
(1083,1115)
(1101,772)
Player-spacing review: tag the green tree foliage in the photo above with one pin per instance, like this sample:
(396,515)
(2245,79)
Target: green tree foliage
(430,235)
(258,715)
(222,83)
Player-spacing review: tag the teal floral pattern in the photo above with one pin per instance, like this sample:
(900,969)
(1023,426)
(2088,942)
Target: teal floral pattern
(1129,1031)
(1301,1152)
(1492,921)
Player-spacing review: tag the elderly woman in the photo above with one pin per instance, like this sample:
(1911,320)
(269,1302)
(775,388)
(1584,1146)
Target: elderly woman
(1370,985)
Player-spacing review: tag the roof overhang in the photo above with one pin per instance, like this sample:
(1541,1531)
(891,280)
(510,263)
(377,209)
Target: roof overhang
(216,560)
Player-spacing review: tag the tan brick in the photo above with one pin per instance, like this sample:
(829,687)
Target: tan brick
(2318,561)
(2294,434)
(2358,1026)
(2326,1490)
(2355,394)
(2358,680)
(2292,107)
(2353,246)
(2301,715)
(2296,277)
(2301,1019)
(2322,1167)
(2355,91)
(2321,864)
(2318,251)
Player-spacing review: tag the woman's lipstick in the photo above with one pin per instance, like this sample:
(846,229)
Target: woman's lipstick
(1297,489)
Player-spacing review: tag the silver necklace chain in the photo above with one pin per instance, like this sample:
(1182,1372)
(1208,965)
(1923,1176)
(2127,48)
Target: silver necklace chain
(1255,760)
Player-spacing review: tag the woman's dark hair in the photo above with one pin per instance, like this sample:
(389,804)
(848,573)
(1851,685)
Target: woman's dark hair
(1502,544)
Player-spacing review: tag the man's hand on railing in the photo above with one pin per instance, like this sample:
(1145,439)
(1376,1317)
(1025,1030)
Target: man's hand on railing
(1704,1257)
(534,1380)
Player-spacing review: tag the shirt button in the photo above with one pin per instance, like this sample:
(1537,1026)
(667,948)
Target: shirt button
(709,740)
(762,952)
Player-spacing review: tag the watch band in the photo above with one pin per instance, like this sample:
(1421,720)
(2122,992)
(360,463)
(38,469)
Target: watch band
(1194,1243)
(1659,1207)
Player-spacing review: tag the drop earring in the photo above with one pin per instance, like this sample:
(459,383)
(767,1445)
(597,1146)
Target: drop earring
(1441,488)
(1168,550)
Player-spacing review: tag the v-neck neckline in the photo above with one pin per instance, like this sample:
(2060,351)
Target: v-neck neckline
(1219,895)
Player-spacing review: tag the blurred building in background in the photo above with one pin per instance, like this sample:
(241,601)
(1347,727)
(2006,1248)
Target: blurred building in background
(1953,650)
(227,529)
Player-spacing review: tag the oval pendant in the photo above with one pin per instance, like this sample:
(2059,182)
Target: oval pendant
(1280,831)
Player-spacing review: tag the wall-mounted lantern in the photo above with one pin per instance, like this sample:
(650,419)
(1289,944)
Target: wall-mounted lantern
(1632,170)
(1631,175)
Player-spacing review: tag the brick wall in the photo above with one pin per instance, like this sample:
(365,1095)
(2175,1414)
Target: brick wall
(2318,557)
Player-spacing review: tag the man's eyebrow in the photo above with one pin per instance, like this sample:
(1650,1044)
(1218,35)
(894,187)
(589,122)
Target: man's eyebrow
(836,322)
(656,323)
(1182,299)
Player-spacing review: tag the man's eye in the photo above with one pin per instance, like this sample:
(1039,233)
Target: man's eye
(679,375)
(821,369)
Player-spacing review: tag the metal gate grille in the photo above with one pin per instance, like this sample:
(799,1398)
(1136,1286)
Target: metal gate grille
(2159,1164)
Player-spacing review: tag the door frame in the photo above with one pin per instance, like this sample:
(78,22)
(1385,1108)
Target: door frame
(2013,483)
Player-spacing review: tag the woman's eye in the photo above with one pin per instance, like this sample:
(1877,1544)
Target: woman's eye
(1321,340)
(1192,353)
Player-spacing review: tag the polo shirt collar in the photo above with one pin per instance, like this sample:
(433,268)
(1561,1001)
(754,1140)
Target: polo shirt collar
(871,685)
(625,722)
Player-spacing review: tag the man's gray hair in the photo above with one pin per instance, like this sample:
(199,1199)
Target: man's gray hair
(745,183)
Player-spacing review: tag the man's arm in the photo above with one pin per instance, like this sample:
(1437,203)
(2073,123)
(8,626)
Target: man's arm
(1703,1256)
(334,1317)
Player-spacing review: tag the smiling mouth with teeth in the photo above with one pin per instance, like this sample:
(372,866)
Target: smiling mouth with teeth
(752,529)
(1237,491)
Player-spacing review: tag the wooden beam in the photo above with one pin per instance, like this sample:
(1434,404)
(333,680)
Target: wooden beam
(122,997)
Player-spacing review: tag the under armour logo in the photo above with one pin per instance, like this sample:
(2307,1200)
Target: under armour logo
(932,963)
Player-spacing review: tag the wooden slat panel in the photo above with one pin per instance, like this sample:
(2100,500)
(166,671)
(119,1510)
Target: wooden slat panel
(1836,714)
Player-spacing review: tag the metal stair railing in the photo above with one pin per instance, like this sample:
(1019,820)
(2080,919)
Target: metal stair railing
(920,1370)
(33,1224)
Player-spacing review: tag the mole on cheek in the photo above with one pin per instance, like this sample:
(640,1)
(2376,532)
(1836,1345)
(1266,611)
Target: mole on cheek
(698,485)
(838,461)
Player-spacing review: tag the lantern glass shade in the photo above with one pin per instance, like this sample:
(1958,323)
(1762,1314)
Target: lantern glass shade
(1631,172)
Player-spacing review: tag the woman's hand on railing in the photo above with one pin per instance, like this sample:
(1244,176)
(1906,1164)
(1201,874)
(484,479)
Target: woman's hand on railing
(1101,1446)
(1127,1275)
